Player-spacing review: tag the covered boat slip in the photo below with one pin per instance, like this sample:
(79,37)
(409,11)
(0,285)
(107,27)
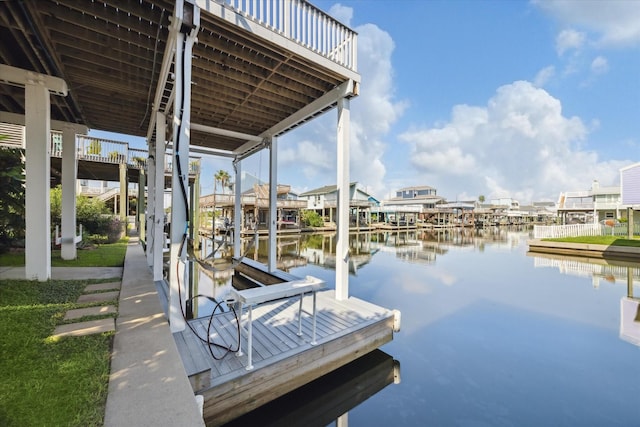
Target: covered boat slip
(224,78)
(282,360)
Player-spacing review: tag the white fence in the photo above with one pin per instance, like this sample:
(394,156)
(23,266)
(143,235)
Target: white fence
(304,23)
(576,230)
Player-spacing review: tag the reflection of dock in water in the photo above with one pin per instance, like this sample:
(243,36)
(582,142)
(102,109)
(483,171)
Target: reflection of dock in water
(328,259)
(630,320)
(596,268)
(328,398)
(610,270)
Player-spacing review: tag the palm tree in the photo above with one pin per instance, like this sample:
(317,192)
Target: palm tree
(223,177)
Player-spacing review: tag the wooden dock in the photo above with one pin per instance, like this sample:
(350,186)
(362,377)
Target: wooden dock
(282,361)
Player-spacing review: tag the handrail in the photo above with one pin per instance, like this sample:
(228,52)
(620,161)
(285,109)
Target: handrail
(117,152)
(59,239)
(304,23)
(576,230)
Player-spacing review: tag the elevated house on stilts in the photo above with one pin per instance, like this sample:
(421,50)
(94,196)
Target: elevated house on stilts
(223,78)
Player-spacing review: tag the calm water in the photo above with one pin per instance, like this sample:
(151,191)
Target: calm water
(491,336)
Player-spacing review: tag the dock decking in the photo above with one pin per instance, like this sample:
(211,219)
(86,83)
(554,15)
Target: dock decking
(282,361)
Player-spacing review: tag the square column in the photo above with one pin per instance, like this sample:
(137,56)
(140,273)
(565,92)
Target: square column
(38,173)
(237,209)
(124,200)
(181,121)
(158,197)
(343,188)
(273,204)
(151,171)
(141,217)
(69,175)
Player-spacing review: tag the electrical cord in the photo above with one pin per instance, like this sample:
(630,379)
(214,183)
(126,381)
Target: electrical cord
(184,241)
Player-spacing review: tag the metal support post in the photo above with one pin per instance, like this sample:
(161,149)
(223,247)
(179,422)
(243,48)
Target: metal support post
(273,207)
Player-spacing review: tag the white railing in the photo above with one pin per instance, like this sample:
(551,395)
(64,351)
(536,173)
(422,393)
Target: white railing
(117,152)
(112,192)
(576,230)
(99,149)
(138,158)
(305,24)
(571,230)
(194,164)
(76,239)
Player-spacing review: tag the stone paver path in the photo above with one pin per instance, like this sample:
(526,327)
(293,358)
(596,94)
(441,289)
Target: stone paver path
(105,293)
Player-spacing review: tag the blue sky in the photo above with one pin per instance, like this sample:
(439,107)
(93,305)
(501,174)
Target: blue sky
(520,99)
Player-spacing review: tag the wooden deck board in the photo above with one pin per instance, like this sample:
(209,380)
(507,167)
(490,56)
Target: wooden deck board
(282,360)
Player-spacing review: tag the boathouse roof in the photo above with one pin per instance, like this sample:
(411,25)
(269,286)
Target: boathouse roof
(113,57)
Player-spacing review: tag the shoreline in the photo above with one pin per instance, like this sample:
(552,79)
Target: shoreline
(586,250)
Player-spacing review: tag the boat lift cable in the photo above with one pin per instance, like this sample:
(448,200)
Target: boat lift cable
(207,340)
(185,239)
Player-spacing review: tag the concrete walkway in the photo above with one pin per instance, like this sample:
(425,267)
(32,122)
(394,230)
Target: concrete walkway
(148,385)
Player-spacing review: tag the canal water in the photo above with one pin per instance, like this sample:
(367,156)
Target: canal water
(491,334)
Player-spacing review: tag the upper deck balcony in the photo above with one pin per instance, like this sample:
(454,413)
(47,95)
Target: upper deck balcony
(259,67)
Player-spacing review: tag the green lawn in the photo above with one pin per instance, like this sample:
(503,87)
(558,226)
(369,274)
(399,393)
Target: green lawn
(106,255)
(600,240)
(44,381)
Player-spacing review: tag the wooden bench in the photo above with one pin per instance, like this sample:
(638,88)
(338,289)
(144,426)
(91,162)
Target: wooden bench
(262,294)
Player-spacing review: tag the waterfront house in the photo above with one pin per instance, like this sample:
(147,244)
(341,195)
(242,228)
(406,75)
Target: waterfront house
(587,206)
(411,205)
(324,200)
(630,186)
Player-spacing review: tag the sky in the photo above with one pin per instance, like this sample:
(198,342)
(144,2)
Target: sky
(499,98)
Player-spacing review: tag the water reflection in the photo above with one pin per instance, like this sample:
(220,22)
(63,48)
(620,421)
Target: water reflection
(611,271)
(488,337)
(297,251)
(329,398)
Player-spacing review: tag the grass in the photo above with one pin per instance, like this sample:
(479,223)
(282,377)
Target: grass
(106,255)
(44,381)
(600,240)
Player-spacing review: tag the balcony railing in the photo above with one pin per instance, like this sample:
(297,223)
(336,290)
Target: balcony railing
(305,24)
(117,152)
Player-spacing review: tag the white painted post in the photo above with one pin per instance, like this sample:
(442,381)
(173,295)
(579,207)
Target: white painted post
(273,206)
(158,197)
(69,175)
(237,209)
(123,196)
(178,274)
(142,183)
(37,171)
(342,235)
(177,271)
(151,172)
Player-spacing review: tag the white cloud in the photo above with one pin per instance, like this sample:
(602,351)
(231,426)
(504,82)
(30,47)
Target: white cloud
(569,39)
(616,22)
(312,148)
(600,65)
(309,158)
(544,75)
(342,13)
(519,145)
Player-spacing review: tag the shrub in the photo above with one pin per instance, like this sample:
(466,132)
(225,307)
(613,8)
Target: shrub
(12,199)
(312,219)
(90,212)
